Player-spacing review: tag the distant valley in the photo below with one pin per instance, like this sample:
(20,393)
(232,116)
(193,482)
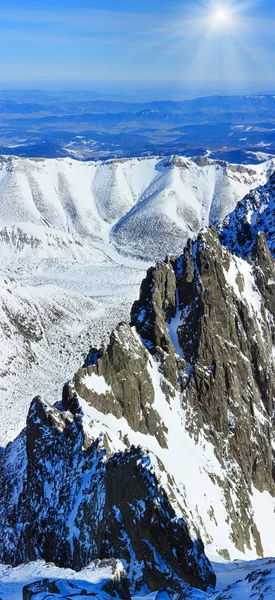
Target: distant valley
(39,124)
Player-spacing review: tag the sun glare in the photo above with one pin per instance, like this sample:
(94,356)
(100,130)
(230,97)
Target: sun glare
(222,17)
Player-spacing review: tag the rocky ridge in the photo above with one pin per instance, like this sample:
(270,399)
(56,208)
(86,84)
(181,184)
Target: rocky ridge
(163,441)
(70,504)
(63,209)
(255,212)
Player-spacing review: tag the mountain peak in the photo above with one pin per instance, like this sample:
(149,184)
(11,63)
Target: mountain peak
(193,370)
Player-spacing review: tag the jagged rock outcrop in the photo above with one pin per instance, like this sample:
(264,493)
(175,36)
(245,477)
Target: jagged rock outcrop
(157,305)
(164,438)
(208,318)
(127,390)
(256,212)
(231,368)
(73,505)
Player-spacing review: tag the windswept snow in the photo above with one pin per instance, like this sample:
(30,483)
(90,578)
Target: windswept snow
(252,580)
(92,578)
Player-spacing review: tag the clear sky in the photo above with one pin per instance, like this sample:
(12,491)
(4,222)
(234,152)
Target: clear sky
(170,45)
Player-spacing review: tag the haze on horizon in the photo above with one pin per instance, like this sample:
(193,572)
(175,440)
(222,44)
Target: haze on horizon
(155,50)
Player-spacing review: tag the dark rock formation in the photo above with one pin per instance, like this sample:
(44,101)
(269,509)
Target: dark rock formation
(229,385)
(157,304)
(256,212)
(75,506)
(202,332)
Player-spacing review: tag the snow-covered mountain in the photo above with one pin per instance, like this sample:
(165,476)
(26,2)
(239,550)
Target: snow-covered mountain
(184,196)
(164,438)
(159,452)
(65,230)
(146,207)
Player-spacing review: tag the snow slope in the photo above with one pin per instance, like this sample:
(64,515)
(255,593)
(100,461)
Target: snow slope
(182,197)
(48,322)
(159,202)
(244,580)
(92,579)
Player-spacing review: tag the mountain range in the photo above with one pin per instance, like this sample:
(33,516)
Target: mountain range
(76,240)
(159,451)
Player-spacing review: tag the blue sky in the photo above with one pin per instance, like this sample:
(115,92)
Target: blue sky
(149,44)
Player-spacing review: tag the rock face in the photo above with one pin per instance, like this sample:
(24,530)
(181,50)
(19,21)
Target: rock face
(256,212)
(163,441)
(128,390)
(225,328)
(74,505)
(230,365)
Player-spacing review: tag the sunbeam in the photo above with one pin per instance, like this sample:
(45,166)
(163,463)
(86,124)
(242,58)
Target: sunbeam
(218,36)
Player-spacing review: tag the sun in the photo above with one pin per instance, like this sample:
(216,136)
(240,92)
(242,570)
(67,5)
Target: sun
(222,17)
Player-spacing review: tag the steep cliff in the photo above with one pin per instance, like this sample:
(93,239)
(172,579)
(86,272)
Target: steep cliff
(164,439)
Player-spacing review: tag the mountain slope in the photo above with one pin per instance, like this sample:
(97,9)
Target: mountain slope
(70,234)
(70,204)
(185,196)
(99,507)
(163,442)
(169,425)
(256,212)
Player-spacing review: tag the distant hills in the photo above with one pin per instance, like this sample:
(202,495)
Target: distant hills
(79,125)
